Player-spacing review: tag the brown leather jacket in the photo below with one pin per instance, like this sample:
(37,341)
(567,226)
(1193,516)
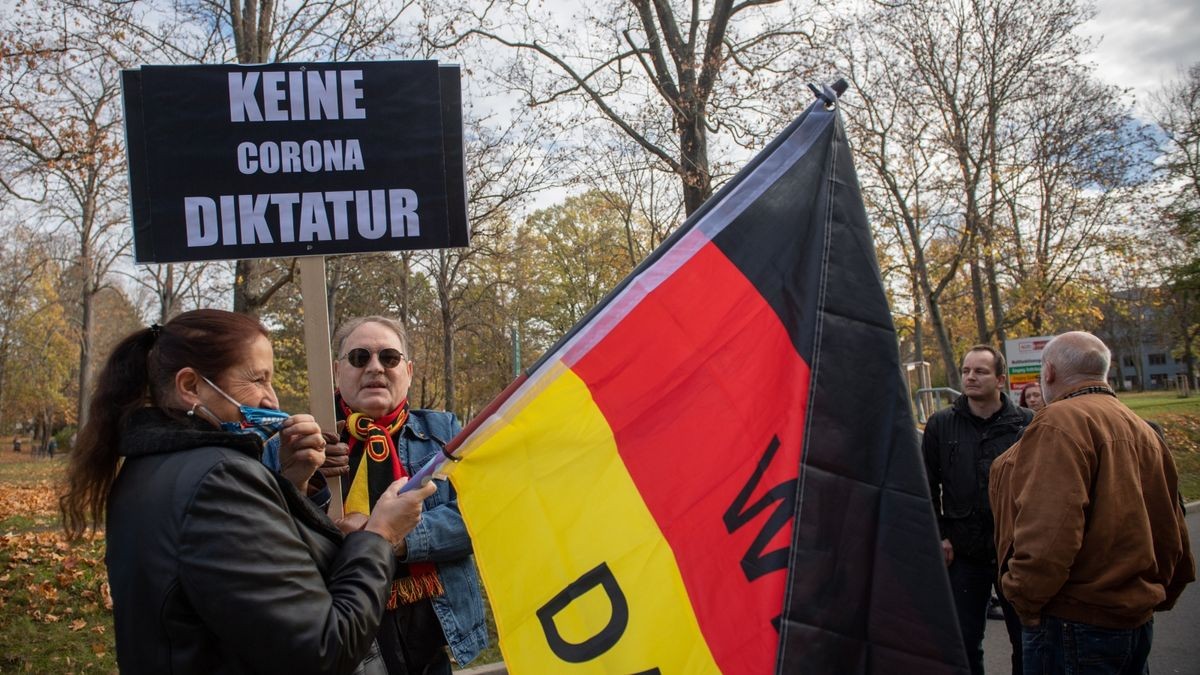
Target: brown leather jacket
(1089,524)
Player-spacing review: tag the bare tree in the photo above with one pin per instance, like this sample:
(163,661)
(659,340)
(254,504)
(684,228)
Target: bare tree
(636,189)
(902,186)
(176,287)
(64,150)
(1177,111)
(669,75)
(23,260)
(507,166)
(1072,163)
(973,63)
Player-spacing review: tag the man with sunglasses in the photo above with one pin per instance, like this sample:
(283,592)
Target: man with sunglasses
(435,599)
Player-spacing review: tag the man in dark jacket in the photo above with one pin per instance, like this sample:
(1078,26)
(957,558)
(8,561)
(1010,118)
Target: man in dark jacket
(960,443)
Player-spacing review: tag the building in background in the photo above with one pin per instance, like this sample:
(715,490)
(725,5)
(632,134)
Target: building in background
(1137,329)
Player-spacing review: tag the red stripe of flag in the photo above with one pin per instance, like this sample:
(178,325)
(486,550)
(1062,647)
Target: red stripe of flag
(686,411)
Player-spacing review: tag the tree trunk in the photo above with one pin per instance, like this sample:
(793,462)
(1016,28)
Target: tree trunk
(918,330)
(1189,363)
(243,271)
(251,25)
(85,349)
(932,305)
(948,360)
(1137,361)
(981,327)
(693,143)
(1118,364)
(448,354)
(406,268)
(994,296)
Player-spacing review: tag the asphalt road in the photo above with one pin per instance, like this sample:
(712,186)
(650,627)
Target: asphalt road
(1176,647)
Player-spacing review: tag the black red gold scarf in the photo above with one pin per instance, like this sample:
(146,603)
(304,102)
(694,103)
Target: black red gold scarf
(374,465)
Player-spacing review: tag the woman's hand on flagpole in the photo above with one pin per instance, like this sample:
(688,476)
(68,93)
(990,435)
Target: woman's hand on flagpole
(395,515)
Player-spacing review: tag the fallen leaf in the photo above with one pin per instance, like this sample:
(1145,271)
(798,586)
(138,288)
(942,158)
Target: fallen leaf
(78,624)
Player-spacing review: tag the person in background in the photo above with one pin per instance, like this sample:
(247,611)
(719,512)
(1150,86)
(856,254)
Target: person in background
(1090,526)
(435,598)
(217,564)
(1031,397)
(959,445)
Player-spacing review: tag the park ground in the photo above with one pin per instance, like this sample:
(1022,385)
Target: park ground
(55,607)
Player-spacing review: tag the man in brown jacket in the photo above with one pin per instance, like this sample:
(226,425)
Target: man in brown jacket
(1090,530)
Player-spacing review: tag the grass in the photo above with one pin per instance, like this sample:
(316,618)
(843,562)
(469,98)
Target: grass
(55,611)
(1154,404)
(1180,420)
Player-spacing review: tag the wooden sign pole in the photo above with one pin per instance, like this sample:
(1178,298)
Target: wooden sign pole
(315,298)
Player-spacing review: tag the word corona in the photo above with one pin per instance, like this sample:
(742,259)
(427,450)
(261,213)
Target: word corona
(294,157)
(295,95)
(297,217)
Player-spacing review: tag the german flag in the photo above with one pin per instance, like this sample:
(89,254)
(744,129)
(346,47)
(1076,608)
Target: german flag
(717,470)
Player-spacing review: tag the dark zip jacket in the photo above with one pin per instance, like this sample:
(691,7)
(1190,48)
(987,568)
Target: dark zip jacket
(959,449)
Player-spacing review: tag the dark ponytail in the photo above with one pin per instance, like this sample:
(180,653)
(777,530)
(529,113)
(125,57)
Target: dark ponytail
(120,389)
(141,372)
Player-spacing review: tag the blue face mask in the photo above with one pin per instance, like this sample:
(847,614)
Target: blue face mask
(263,422)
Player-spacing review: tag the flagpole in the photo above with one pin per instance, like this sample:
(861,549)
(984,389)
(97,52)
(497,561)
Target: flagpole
(315,303)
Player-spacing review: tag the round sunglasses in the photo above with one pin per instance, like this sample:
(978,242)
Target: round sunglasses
(360,357)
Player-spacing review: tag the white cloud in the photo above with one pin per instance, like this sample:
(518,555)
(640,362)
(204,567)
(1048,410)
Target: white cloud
(1144,43)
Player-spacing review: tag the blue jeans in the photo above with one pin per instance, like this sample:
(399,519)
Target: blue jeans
(972,583)
(1073,648)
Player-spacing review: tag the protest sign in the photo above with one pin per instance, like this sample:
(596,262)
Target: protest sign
(294,159)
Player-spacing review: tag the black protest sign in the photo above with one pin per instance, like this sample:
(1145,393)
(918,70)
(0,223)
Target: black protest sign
(294,159)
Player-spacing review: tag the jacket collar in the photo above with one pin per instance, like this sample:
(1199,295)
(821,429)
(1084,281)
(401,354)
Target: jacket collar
(1080,387)
(1007,407)
(152,431)
(416,425)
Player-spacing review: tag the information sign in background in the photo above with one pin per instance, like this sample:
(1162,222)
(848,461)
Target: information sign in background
(1024,357)
(294,159)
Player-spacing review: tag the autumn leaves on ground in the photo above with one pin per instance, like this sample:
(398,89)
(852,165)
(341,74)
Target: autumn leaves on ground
(55,608)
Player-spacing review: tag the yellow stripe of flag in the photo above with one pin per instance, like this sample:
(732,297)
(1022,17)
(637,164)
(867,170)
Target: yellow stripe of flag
(549,501)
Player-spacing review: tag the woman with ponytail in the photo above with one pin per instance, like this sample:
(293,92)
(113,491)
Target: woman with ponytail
(217,564)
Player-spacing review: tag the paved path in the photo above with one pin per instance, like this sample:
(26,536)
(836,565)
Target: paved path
(1176,648)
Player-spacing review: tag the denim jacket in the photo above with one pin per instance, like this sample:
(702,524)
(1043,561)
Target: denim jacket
(440,537)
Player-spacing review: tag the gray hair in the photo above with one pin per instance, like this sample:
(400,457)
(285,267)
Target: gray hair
(350,326)
(1078,355)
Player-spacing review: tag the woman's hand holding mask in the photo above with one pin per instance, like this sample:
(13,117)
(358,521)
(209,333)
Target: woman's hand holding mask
(301,449)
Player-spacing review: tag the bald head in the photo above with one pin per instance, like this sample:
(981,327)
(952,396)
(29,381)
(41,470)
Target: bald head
(1070,359)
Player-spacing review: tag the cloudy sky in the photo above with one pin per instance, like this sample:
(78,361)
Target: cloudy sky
(1145,43)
